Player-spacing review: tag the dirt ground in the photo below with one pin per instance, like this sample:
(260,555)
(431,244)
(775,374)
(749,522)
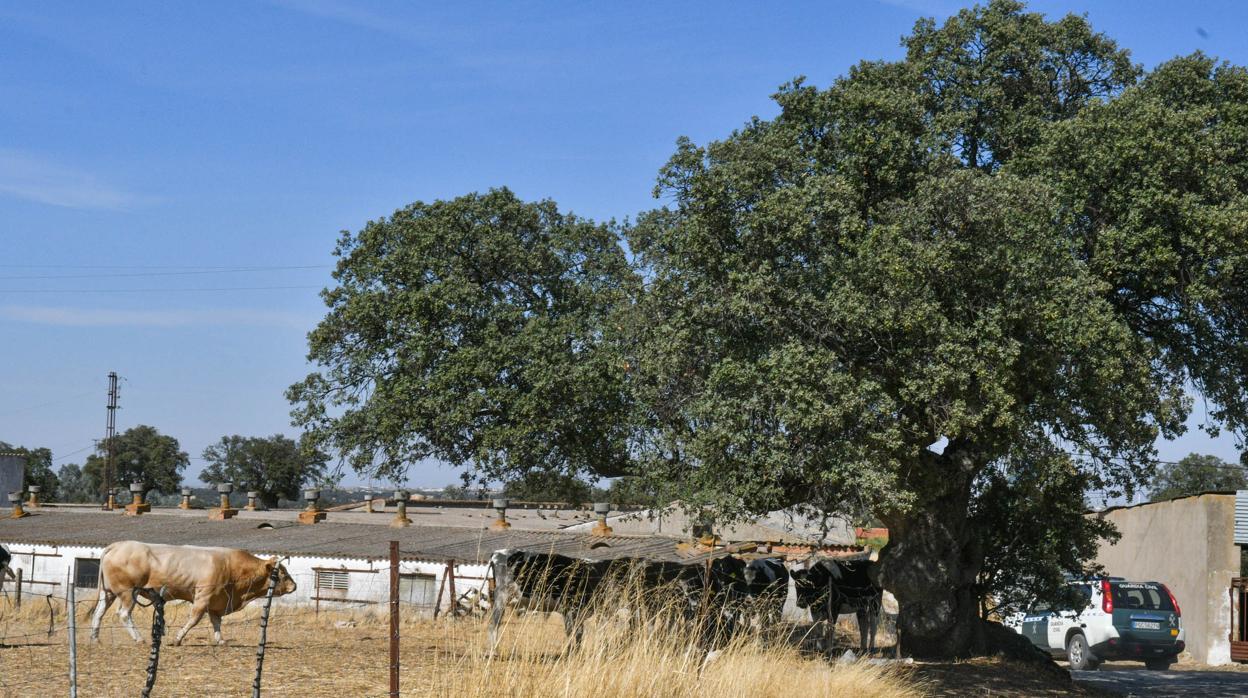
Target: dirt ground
(336,654)
(996,677)
(329,655)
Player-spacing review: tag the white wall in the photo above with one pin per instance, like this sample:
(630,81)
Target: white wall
(54,563)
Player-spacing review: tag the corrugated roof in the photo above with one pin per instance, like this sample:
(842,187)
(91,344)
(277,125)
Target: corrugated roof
(326,539)
(1175,498)
(777,527)
(1241,517)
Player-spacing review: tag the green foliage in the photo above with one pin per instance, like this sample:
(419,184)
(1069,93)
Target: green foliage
(74,485)
(475,331)
(38,469)
(1000,240)
(1197,473)
(140,454)
(1029,516)
(634,491)
(275,466)
(1008,243)
(549,487)
(459,492)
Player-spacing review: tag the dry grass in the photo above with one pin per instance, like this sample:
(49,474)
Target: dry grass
(345,653)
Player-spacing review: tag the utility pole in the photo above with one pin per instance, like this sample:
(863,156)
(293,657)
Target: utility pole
(110,432)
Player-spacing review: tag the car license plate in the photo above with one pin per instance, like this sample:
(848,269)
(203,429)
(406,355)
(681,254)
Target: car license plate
(1146,625)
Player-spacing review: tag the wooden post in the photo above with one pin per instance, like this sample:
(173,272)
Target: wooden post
(437,605)
(264,630)
(394,619)
(450,588)
(17,600)
(73,639)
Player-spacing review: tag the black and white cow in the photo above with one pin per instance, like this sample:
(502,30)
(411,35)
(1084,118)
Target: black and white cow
(546,583)
(730,592)
(767,584)
(5,559)
(713,595)
(832,587)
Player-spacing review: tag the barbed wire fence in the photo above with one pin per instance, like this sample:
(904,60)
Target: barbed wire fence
(288,645)
(43,650)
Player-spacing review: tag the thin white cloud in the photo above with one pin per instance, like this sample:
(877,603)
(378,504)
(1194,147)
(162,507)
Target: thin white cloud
(927,8)
(103,317)
(347,13)
(26,176)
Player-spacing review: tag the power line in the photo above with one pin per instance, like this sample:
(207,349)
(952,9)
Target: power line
(1223,466)
(73,453)
(58,401)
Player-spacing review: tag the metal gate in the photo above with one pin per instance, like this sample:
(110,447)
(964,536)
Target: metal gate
(1239,619)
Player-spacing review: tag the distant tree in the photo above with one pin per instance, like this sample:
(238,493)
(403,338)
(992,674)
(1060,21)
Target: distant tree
(458,492)
(74,485)
(631,491)
(38,469)
(141,453)
(1197,473)
(275,466)
(549,487)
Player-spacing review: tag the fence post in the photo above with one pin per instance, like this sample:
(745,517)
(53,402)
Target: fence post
(73,640)
(264,629)
(158,631)
(394,619)
(450,588)
(437,605)
(17,600)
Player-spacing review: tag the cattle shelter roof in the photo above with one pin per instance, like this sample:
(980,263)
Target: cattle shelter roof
(329,539)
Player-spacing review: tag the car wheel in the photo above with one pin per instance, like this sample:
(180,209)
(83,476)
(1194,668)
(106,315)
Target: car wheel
(1078,654)
(1158,664)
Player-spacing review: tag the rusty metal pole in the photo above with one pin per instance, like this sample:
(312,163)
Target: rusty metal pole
(72,609)
(394,619)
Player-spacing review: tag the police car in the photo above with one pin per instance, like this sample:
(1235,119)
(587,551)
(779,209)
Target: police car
(1120,620)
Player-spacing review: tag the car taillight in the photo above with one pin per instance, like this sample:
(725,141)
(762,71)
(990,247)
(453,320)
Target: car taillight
(1107,598)
(1173,601)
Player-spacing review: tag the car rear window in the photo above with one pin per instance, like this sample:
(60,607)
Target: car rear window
(1146,597)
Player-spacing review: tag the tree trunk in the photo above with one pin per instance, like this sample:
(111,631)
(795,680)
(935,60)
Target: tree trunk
(931,562)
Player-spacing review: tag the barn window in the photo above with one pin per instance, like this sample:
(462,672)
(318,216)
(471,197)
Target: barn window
(332,580)
(86,573)
(418,589)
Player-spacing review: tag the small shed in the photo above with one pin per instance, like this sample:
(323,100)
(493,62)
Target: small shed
(1189,544)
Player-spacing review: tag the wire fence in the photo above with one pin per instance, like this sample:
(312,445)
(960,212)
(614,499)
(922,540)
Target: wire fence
(41,639)
(270,649)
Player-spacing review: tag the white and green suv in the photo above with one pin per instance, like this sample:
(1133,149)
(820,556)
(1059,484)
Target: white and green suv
(1120,620)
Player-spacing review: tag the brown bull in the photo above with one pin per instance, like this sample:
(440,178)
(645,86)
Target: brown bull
(216,581)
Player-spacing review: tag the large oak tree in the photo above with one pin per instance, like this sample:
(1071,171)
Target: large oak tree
(478,332)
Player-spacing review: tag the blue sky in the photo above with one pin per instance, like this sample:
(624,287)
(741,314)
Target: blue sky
(151,152)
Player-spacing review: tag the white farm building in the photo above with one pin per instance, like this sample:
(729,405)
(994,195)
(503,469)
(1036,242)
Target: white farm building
(344,561)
